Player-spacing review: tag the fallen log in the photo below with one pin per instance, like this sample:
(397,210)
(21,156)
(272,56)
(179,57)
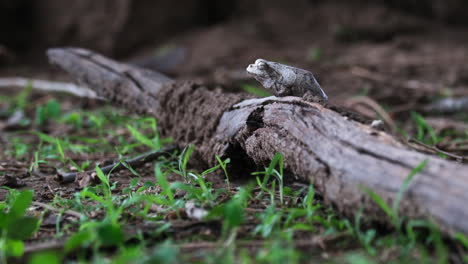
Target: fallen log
(319,145)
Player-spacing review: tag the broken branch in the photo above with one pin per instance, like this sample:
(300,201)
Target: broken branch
(49,86)
(319,145)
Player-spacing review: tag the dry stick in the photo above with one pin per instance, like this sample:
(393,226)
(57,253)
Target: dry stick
(318,144)
(51,208)
(256,243)
(376,77)
(437,150)
(44,246)
(133,162)
(49,86)
(376,107)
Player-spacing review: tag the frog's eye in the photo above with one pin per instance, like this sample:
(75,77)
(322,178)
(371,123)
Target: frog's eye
(257,61)
(260,64)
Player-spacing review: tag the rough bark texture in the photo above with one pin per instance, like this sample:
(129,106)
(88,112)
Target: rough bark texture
(319,145)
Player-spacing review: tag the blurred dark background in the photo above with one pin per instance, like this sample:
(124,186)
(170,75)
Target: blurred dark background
(120,27)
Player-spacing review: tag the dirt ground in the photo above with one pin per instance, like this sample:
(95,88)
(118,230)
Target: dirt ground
(399,61)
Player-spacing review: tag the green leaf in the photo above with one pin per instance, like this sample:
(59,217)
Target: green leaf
(142,138)
(49,257)
(380,202)
(233,214)
(165,253)
(405,185)
(184,159)
(74,118)
(53,109)
(87,193)
(20,205)
(102,177)
(21,100)
(22,228)
(462,238)
(110,234)
(60,149)
(50,111)
(45,137)
(422,127)
(162,181)
(80,239)
(277,158)
(14,248)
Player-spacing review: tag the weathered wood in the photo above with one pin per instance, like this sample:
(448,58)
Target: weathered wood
(319,145)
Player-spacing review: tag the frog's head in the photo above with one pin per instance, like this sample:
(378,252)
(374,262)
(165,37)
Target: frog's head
(265,72)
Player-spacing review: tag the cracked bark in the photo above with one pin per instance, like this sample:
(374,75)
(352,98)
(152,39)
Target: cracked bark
(319,145)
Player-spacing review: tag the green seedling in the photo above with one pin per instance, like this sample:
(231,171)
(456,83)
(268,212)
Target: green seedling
(49,257)
(15,225)
(183,161)
(269,220)
(392,212)
(21,101)
(425,132)
(223,165)
(271,171)
(232,212)
(45,113)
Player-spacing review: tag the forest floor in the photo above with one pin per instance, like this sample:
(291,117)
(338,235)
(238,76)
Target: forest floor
(384,64)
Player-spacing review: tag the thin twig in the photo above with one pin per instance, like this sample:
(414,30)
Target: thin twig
(119,165)
(410,84)
(51,208)
(437,150)
(318,241)
(50,86)
(376,107)
(44,246)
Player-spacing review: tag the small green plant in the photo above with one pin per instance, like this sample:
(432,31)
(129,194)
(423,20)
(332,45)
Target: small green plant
(223,165)
(15,225)
(271,171)
(20,101)
(49,257)
(279,250)
(365,237)
(392,212)
(50,111)
(425,132)
(165,186)
(152,143)
(18,148)
(232,212)
(183,161)
(269,220)
(107,232)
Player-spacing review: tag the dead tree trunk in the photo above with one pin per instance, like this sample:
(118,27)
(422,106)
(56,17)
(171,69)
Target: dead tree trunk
(319,145)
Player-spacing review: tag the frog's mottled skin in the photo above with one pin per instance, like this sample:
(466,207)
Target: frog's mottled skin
(284,80)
